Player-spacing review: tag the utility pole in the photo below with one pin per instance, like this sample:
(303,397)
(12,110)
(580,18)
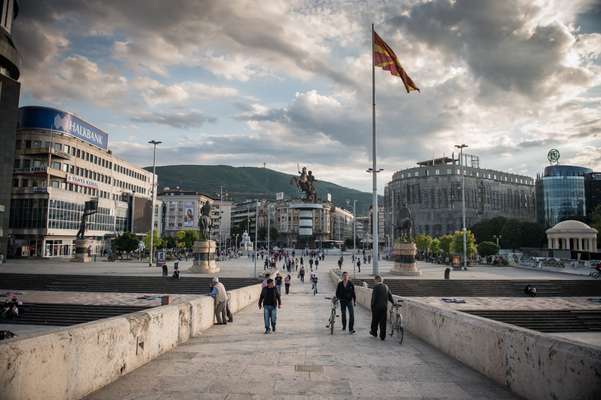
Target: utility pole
(268,217)
(354,226)
(461,147)
(392,218)
(154,159)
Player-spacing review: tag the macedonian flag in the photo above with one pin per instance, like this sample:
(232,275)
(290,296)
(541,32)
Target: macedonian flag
(384,57)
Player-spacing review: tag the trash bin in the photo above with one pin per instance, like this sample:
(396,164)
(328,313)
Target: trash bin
(165,270)
(447,273)
(165,300)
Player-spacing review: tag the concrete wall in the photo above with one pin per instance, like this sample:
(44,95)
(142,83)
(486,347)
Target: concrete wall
(533,365)
(72,362)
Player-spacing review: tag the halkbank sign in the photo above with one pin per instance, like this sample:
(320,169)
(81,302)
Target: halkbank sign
(34,117)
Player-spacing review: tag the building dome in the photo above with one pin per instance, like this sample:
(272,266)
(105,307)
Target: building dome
(571,226)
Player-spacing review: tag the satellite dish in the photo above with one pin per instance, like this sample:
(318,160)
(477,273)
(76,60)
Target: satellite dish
(553,156)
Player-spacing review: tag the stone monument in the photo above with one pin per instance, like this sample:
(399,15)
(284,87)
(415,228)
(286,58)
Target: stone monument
(83,246)
(246,243)
(203,250)
(404,249)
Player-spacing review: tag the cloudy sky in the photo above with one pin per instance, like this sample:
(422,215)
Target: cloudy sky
(284,82)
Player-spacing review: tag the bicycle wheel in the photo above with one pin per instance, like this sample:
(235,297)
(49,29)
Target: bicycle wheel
(401,330)
(332,321)
(401,333)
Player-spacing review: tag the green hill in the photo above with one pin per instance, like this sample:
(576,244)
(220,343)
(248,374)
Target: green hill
(242,183)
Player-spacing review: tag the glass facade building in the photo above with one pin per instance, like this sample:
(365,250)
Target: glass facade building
(60,162)
(560,193)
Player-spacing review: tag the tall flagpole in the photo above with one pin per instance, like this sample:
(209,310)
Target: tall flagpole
(374,212)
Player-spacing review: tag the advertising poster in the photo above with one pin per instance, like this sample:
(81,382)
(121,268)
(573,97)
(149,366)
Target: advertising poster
(189,214)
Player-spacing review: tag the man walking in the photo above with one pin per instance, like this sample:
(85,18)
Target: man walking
(379,297)
(269,299)
(345,292)
(219,293)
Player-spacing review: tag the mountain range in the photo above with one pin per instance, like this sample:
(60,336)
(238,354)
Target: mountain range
(243,183)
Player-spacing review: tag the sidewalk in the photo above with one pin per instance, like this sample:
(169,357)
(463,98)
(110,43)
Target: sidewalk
(301,361)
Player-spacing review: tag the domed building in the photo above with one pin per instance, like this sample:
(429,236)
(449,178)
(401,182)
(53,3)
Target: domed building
(572,235)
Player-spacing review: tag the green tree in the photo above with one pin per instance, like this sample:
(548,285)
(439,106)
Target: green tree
(125,243)
(157,242)
(445,243)
(190,236)
(486,249)
(180,239)
(532,234)
(435,247)
(457,243)
(511,234)
(273,233)
(423,243)
(487,229)
(169,242)
(262,232)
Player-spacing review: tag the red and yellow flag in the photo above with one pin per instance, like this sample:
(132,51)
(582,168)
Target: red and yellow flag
(384,57)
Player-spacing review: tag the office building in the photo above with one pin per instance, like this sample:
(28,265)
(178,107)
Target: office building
(61,161)
(432,192)
(560,194)
(592,190)
(9,111)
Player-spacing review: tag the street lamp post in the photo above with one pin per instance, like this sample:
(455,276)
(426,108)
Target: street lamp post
(374,211)
(461,147)
(256,232)
(268,218)
(497,237)
(154,159)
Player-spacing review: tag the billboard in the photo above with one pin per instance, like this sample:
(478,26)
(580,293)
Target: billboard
(189,214)
(279,196)
(51,119)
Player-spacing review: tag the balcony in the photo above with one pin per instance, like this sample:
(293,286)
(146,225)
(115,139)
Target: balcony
(43,151)
(43,170)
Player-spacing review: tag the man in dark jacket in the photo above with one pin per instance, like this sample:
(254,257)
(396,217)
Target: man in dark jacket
(345,291)
(379,297)
(269,300)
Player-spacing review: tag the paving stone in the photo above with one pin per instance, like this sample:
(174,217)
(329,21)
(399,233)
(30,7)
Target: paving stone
(301,361)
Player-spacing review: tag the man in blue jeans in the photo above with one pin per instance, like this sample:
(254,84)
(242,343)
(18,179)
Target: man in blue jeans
(345,291)
(269,300)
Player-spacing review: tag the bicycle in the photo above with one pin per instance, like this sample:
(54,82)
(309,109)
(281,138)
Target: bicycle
(333,314)
(396,321)
(595,274)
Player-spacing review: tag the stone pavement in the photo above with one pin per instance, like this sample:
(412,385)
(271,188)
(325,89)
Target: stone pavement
(301,361)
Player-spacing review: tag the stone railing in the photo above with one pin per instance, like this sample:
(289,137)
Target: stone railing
(533,365)
(70,363)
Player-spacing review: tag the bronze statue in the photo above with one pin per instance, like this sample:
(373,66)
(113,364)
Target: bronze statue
(404,224)
(204,222)
(306,183)
(90,208)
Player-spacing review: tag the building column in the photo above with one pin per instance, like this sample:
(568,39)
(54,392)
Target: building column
(593,245)
(550,243)
(567,239)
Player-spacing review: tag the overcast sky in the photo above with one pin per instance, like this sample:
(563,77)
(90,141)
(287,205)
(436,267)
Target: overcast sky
(284,82)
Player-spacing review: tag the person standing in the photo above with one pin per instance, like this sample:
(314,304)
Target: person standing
(359,264)
(345,292)
(380,296)
(287,280)
(278,282)
(316,263)
(301,274)
(270,300)
(219,293)
(311,264)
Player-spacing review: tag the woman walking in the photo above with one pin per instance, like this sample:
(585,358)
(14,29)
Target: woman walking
(287,280)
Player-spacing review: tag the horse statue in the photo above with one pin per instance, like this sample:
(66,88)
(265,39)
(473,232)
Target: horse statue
(404,224)
(204,222)
(305,182)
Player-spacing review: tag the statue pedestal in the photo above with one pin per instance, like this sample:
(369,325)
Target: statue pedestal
(403,255)
(81,250)
(203,252)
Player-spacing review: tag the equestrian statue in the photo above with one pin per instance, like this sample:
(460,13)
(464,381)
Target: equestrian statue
(305,182)
(404,225)
(204,222)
